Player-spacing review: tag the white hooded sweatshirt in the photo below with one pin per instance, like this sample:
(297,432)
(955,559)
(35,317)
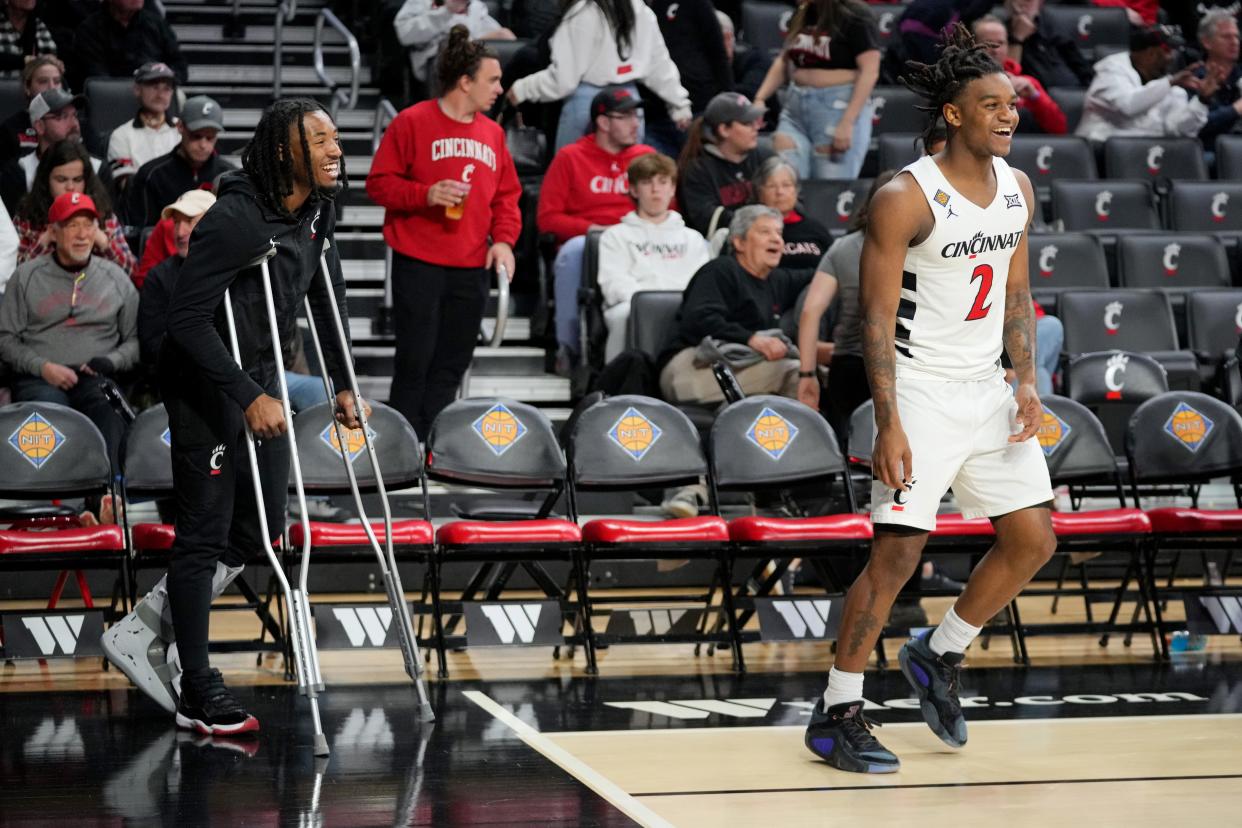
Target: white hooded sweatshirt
(640,255)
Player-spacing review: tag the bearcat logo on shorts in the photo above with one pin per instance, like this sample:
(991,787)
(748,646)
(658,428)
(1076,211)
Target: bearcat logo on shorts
(1052,432)
(499,428)
(1188,427)
(634,433)
(772,433)
(36,439)
(355,443)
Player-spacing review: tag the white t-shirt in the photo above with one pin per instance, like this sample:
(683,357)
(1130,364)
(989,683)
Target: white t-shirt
(134,144)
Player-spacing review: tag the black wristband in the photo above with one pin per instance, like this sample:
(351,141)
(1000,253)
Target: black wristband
(807,374)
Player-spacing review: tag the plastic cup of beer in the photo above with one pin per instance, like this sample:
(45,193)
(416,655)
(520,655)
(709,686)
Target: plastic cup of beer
(455,212)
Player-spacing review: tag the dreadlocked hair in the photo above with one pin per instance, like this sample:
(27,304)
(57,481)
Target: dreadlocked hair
(459,56)
(268,158)
(962,60)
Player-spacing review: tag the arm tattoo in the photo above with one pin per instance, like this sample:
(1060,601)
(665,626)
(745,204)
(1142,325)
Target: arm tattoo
(1018,333)
(879,357)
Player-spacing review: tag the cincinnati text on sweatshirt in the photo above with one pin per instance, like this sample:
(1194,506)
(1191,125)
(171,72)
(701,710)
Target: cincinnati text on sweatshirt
(583,186)
(423,146)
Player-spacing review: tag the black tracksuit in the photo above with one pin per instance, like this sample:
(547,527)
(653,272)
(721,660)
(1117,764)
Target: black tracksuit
(206,393)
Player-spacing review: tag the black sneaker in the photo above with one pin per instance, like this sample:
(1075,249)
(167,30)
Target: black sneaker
(935,679)
(841,736)
(207,706)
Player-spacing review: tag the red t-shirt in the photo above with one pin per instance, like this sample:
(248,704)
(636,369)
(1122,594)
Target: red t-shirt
(423,146)
(160,245)
(585,185)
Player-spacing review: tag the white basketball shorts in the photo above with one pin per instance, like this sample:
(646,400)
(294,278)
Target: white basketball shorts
(959,439)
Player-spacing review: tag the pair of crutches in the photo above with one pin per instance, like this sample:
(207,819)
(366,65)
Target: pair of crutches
(305,654)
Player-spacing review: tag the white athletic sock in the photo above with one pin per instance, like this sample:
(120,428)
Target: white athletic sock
(953,635)
(842,687)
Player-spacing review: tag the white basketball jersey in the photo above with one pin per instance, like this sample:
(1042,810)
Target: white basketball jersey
(952,305)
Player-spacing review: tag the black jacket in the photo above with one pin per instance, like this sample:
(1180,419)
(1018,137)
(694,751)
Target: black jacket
(161,181)
(696,44)
(235,231)
(157,291)
(710,182)
(103,47)
(806,242)
(1052,59)
(726,302)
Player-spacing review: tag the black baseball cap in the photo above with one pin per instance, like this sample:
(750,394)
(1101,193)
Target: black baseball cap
(1150,36)
(728,108)
(613,99)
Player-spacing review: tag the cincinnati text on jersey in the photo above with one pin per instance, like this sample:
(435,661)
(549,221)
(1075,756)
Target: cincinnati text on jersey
(981,244)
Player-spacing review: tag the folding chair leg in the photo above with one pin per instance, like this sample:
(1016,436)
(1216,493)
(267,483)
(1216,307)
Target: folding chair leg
(1155,601)
(584,611)
(1086,596)
(1121,594)
(469,592)
(1146,599)
(437,618)
(726,599)
(1065,562)
(1023,656)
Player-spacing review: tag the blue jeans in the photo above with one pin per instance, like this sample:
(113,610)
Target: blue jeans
(567,278)
(809,116)
(576,114)
(1049,335)
(304,391)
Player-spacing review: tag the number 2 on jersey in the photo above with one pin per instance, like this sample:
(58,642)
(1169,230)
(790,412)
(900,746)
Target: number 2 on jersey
(979,310)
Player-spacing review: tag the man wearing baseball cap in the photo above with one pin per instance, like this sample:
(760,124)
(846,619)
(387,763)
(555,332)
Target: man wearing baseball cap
(586,188)
(153,132)
(69,319)
(54,117)
(193,164)
(1134,93)
(171,235)
(720,161)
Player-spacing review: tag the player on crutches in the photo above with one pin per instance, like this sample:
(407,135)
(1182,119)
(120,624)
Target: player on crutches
(281,201)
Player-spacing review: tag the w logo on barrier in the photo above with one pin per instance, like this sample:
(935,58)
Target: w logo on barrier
(513,622)
(796,619)
(517,623)
(365,626)
(52,632)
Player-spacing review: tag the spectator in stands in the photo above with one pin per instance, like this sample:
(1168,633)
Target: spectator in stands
(696,44)
(192,164)
(1218,33)
(54,115)
(719,161)
(598,43)
(8,249)
(806,239)
(1033,99)
(22,37)
(923,26)
(585,188)
(736,300)
(1139,12)
(1049,57)
(447,184)
(153,131)
(119,38)
(67,168)
(825,123)
(155,292)
(749,66)
(1134,94)
(171,235)
(423,26)
(17,135)
(651,249)
(68,319)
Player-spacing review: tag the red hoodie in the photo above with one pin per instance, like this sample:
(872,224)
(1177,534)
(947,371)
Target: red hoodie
(585,185)
(423,146)
(1147,9)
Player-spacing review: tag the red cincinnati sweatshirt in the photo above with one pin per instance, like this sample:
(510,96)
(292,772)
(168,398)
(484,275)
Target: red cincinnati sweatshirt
(585,185)
(423,146)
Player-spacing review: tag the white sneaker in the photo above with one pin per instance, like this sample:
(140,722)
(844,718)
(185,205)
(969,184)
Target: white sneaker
(683,503)
(142,645)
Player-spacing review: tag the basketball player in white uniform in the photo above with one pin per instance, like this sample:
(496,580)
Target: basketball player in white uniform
(944,288)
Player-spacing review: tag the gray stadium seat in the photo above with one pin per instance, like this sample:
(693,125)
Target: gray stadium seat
(831,201)
(886,20)
(506,49)
(1229,157)
(1206,206)
(1097,32)
(112,102)
(895,111)
(1064,261)
(1172,262)
(1213,322)
(1155,159)
(898,149)
(1047,158)
(653,315)
(1070,99)
(12,97)
(1104,206)
(764,25)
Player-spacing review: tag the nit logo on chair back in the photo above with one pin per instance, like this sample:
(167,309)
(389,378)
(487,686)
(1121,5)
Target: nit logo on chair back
(1188,427)
(772,433)
(36,439)
(634,433)
(355,443)
(499,428)
(1052,432)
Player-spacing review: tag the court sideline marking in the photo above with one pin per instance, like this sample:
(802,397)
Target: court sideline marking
(571,764)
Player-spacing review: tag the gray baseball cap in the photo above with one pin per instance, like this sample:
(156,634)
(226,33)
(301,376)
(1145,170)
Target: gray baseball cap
(201,112)
(53,100)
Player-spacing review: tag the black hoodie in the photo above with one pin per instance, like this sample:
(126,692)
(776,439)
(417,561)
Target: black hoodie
(234,232)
